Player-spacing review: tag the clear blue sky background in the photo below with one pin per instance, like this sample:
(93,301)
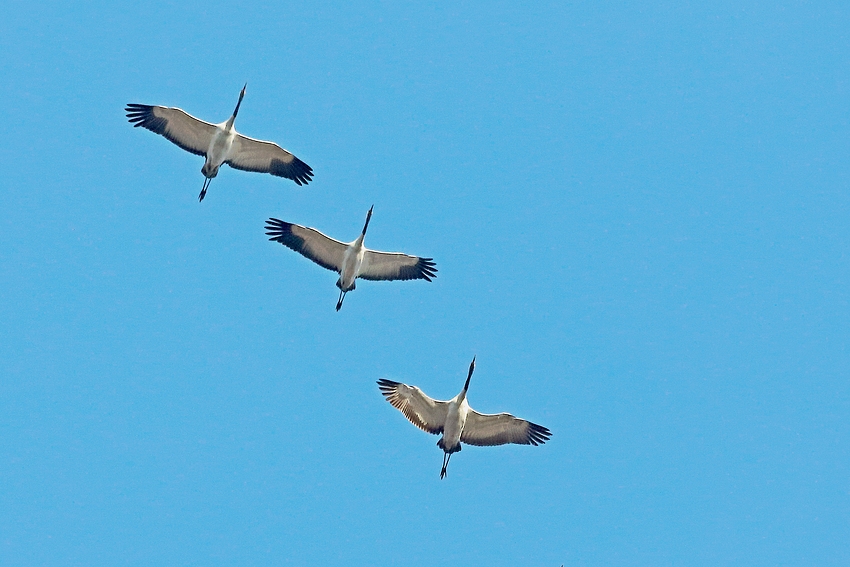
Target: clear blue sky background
(641,218)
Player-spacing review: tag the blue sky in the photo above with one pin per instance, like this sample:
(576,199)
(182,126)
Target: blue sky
(638,213)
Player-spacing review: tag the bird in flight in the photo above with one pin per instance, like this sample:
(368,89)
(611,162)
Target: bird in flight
(458,422)
(352,260)
(219,143)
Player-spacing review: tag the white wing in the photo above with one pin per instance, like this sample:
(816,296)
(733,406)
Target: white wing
(423,412)
(249,154)
(501,428)
(186,131)
(396,266)
(309,242)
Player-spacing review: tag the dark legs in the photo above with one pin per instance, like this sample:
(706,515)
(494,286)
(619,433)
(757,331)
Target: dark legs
(341,297)
(446,458)
(204,190)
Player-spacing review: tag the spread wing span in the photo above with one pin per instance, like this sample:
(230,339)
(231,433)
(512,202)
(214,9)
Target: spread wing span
(309,242)
(188,132)
(501,428)
(425,413)
(396,266)
(249,154)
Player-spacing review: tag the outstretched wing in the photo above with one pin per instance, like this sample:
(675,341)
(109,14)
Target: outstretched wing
(396,266)
(249,154)
(309,242)
(501,428)
(183,129)
(425,413)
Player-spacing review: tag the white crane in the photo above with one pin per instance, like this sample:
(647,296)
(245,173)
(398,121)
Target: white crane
(352,260)
(219,143)
(458,422)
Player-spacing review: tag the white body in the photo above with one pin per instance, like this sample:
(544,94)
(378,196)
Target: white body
(456,415)
(221,146)
(352,263)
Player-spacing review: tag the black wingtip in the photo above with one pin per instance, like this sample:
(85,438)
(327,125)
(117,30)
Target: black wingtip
(296,170)
(277,229)
(143,115)
(537,434)
(138,114)
(385,384)
(427,268)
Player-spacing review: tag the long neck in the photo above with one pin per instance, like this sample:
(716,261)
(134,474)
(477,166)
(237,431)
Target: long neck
(368,218)
(468,376)
(236,110)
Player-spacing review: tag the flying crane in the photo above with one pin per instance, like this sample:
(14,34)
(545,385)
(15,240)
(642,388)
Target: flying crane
(219,143)
(352,260)
(458,422)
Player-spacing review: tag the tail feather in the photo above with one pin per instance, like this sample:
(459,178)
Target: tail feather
(442,445)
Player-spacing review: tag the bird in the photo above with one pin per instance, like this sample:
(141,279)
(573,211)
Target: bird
(458,422)
(219,143)
(352,260)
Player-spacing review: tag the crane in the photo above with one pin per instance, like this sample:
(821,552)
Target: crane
(352,260)
(219,143)
(458,422)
